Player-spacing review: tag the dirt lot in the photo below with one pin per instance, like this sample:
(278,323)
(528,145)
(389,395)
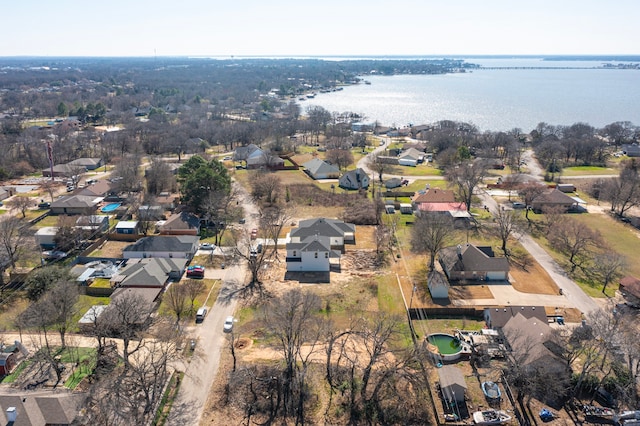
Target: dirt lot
(110,249)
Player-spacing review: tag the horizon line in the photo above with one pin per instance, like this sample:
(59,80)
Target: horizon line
(619,56)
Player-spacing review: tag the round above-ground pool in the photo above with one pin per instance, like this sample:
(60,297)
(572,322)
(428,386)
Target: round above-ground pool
(110,207)
(446,346)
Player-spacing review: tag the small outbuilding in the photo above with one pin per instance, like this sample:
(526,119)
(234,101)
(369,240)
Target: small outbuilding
(7,362)
(452,383)
(438,285)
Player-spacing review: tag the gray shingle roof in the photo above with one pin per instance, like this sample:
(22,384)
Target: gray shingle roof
(473,259)
(174,243)
(75,201)
(317,166)
(322,226)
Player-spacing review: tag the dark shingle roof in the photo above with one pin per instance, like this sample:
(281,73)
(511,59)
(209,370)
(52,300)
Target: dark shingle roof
(322,226)
(472,258)
(175,243)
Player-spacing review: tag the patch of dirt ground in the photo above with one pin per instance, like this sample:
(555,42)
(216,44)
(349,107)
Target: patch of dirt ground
(534,280)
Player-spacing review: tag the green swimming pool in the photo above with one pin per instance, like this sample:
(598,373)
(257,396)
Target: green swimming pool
(446,343)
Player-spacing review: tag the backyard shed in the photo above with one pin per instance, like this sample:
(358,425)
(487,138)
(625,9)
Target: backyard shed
(7,362)
(452,383)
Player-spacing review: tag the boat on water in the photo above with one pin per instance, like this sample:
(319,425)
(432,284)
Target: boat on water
(491,390)
(491,417)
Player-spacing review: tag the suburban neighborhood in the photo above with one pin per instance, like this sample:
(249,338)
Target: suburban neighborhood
(344,273)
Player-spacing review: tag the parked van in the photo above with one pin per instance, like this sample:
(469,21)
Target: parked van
(202,312)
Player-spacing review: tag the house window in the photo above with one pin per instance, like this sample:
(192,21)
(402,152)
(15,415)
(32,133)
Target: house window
(294,253)
(316,255)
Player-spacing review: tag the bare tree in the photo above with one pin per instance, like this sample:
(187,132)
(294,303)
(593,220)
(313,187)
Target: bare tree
(67,236)
(62,299)
(508,224)
(431,233)
(126,316)
(342,158)
(159,177)
(22,204)
(529,191)
(272,221)
(609,266)
(221,207)
(128,174)
(369,373)
(50,188)
(193,288)
(378,165)
(176,298)
(13,240)
(576,241)
(624,191)
(292,321)
(266,187)
(466,177)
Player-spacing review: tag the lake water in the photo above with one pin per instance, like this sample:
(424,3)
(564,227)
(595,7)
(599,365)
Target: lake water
(497,99)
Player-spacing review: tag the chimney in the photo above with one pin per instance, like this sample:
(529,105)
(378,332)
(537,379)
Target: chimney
(459,251)
(12,414)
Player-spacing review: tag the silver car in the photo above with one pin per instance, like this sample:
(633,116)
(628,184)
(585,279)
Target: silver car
(228,324)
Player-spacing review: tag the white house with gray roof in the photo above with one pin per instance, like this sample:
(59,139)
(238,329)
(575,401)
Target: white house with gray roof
(312,254)
(338,231)
(319,169)
(317,243)
(354,179)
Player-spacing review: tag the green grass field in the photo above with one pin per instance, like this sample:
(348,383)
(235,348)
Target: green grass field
(588,170)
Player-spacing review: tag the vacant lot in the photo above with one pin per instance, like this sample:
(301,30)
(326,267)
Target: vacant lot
(110,249)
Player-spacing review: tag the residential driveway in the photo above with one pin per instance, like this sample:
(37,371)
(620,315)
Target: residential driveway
(573,295)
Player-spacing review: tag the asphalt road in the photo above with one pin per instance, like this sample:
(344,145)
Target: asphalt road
(572,293)
(202,368)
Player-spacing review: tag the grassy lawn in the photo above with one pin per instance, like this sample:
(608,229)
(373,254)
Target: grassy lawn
(420,170)
(83,305)
(101,283)
(389,296)
(588,170)
(620,237)
(11,378)
(32,214)
(210,285)
(616,235)
(47,221)
(10,311)
(420,184)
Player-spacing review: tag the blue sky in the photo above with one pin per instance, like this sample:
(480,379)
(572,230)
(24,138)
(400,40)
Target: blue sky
(312,28)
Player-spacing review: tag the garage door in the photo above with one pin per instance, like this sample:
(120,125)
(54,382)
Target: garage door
(496,275)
